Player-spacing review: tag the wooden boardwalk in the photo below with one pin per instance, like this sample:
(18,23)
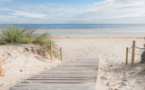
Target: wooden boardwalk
(78,75)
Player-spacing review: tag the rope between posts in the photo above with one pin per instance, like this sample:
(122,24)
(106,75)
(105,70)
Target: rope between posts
(129,51)
(56,49)
(139,48)
(57,52)
(135,53)
(129,48)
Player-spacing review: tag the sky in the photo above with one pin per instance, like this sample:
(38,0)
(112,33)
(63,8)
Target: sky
(72,11)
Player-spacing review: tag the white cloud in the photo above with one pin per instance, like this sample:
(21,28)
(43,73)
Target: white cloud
(120,8)
(6,0)
(27,14)
(113,9)
(107,11)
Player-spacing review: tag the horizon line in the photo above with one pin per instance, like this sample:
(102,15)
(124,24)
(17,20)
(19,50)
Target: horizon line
(75,23)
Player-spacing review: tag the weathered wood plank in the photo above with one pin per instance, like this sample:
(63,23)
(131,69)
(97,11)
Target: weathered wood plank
(62,78)
(76,69)
(70,72)
(53,85)
(36,88)
(65,76)
(56,81)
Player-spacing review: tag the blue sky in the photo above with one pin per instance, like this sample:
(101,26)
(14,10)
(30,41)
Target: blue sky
(72,11)
(58,1)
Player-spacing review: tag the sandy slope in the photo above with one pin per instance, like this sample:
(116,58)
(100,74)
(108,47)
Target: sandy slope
(19,64)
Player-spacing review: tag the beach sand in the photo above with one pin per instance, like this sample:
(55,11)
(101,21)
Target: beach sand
(113,74)
(19,64)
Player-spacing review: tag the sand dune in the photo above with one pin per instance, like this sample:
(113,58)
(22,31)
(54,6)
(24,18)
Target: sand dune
(19,64)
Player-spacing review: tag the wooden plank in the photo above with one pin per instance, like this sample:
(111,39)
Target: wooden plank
(73,72)
(83,61)
(48,79)
(57,81)
(67,75)
(75,68)
(68,70)
(62,78)
(53,85)
(79,66)
(40,88)
(87,64)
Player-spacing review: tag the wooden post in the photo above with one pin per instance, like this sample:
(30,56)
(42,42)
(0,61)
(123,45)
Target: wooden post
(51,51)
(126,56)
(144,47)
(133,54)
(1,74)
(60,53)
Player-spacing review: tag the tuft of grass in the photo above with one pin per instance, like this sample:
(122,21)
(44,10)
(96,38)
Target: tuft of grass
(144,69)
(41,39)
(26,49)
(13,35)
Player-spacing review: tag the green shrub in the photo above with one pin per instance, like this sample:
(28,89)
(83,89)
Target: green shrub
(13,35)
(41,39)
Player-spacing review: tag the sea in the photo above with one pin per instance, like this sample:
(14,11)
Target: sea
(80,28)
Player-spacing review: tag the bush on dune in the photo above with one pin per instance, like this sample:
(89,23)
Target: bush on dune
(13,35)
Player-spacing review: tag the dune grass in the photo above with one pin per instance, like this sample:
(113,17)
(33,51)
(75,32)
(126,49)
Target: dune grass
(12,35)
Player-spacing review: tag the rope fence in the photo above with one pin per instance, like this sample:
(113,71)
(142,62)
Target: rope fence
(135,53)
(128,50)
(139,47)
(58,53)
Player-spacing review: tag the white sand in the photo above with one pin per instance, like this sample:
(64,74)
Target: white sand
(112,74)
(19,64)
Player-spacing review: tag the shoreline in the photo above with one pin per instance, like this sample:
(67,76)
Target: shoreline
(99,36)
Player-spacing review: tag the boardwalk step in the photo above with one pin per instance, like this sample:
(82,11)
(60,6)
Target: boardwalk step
(39,88)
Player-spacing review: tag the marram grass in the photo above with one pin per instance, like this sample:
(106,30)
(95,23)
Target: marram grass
(13,35)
